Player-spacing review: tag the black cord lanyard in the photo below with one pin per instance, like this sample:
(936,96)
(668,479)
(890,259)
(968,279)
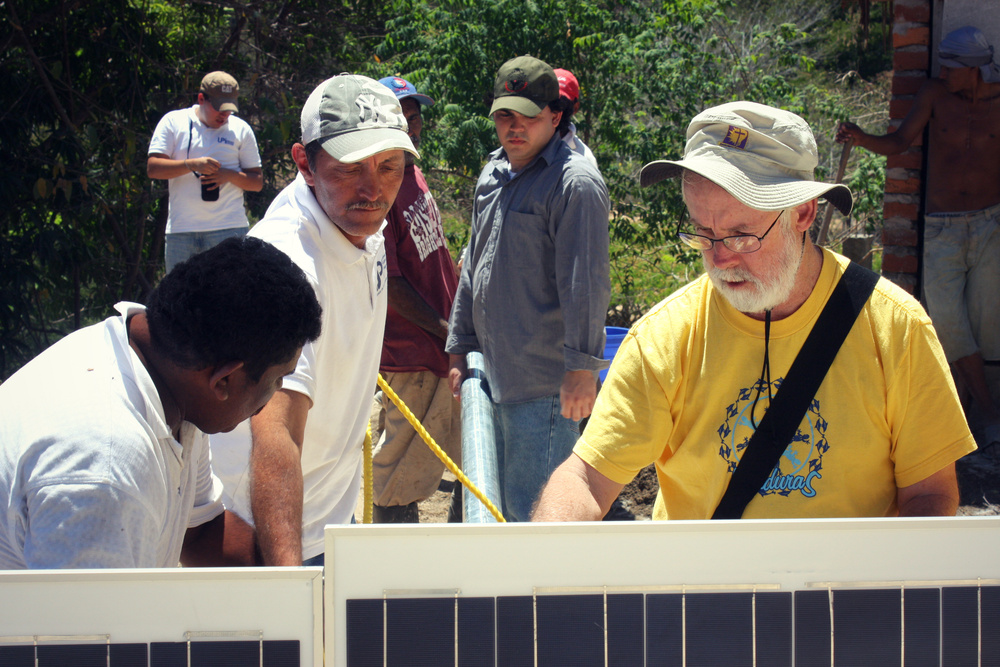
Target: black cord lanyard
(765,370)
(797,391)
(191,134)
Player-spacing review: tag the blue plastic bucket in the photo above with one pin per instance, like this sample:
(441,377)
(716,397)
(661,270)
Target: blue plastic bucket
(614,336)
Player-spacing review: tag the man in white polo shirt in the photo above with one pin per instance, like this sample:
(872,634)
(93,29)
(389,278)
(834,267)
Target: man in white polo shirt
(305,467)
(104,461)
(210,158)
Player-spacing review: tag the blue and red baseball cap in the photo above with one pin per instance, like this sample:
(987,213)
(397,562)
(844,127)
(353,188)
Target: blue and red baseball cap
(403,89)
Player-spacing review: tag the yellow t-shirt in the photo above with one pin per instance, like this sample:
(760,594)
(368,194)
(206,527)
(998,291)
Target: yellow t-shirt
(680,393)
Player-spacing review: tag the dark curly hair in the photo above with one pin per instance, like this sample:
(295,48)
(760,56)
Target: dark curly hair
(243,300)
(565,105)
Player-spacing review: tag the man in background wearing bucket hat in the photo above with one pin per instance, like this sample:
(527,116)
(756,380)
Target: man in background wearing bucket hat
(688,388)
(533,294)
(422,284)
(961,278)
(209,158)
(305,466)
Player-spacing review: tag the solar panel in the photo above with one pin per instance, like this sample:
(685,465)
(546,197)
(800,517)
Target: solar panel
(224,617)
(884,627)
(270,653)
(570,629)
(55,651)
(773,627)
(203,653)
(626,630)
(770,593)
(664,629)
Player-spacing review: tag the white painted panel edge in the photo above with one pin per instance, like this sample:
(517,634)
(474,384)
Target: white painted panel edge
(161,605)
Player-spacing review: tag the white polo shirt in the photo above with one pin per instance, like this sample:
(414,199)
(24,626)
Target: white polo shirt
(338,371)
(180,135)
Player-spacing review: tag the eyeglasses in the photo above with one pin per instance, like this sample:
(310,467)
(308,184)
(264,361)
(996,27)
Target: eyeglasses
(742,243)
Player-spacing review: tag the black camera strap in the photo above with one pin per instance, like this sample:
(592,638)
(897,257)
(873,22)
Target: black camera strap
(190,135)
(797,391)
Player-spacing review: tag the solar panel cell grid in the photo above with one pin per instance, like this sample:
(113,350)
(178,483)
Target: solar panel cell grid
(912,627)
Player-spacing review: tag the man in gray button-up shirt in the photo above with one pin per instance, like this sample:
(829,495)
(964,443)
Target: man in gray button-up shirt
(534,289)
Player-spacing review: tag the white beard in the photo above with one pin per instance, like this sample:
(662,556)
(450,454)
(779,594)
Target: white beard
(771,289)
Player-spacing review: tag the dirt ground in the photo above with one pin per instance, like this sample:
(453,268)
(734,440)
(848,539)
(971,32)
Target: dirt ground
(978,482)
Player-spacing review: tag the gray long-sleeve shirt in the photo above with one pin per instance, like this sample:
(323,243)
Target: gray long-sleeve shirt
(534,290)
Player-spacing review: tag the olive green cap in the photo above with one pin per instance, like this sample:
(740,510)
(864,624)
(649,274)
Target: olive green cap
(525,85)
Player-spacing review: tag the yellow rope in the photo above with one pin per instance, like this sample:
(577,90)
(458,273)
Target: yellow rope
(441,454)
(369,492)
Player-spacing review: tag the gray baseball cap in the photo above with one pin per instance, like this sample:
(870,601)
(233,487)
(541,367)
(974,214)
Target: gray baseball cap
(354,117)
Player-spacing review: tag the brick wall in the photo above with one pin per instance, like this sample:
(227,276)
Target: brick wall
(911,37)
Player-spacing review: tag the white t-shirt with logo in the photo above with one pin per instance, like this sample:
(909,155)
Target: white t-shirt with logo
(233,145)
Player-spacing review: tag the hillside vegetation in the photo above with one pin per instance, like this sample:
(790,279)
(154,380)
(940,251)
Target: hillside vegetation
(83,85)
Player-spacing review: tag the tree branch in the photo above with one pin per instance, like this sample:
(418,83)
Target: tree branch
(39,68)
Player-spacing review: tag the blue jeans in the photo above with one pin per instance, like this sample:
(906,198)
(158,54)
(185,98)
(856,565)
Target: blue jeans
(532,440)
(319,560)
(185,245)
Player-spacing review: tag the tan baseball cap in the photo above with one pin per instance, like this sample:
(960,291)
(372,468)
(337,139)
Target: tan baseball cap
(221,90)
(761,155)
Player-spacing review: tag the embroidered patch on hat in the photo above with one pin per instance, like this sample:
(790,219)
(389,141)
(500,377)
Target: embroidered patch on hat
(736,137)
(372,112)
(398,83)
(515,85)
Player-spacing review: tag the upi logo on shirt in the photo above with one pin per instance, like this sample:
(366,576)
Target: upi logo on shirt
(374,113)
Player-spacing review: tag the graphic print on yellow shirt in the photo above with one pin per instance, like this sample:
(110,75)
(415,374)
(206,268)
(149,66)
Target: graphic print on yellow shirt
(801,464)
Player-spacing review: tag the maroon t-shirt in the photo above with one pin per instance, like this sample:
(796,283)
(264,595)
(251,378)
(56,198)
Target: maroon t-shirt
(416,249)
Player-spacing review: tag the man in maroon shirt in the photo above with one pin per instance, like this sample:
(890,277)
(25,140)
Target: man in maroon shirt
(422,285)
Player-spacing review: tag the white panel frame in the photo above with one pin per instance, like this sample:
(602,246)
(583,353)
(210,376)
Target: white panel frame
(426,560)
(161,605)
